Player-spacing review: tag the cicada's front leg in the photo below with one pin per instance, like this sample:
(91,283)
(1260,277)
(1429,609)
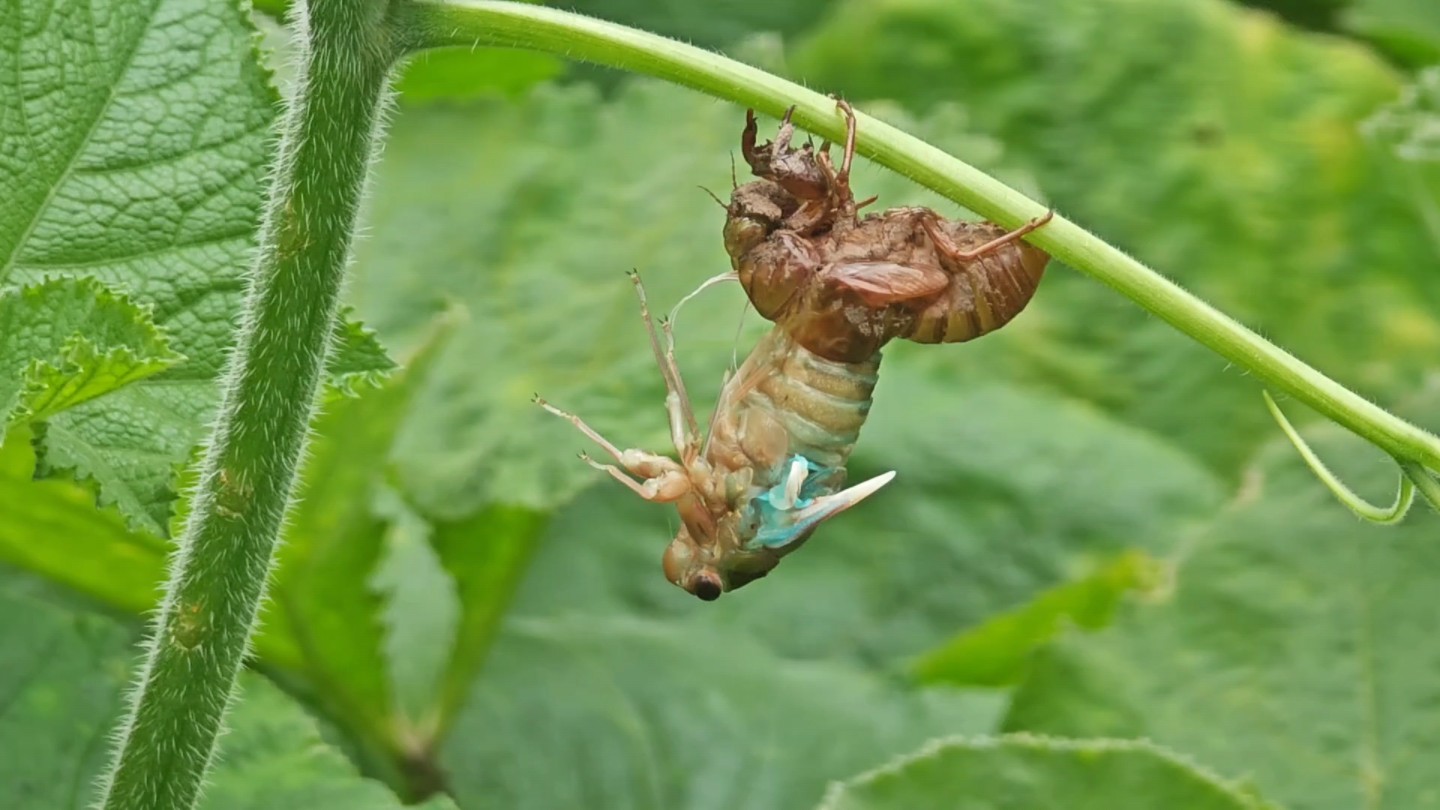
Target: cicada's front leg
(663,480)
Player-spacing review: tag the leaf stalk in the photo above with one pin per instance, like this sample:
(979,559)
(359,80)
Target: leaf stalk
(218,575)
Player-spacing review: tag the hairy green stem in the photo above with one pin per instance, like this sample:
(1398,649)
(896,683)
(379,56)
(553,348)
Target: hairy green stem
(218,576)
(471,23)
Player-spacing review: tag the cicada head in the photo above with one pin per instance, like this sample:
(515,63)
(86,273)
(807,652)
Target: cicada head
(716,562)
(756,210)
(708,558)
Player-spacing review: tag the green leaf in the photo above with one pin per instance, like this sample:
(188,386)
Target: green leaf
(1296,647)
(1410,129)
(66,341)
(357,360)
(707,24)
(640,713)
(421,606)
(63,687)
(1023,772)
(1407,30)
(487,555)
(53,528)
(139,166)
(275,757)
(333,545)
(1317,14)
(995,653)
(1239,170)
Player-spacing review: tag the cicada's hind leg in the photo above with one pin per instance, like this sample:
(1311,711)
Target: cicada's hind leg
(947,246)
(662,479)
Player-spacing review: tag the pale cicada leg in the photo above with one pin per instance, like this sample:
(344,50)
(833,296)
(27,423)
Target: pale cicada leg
(669,326)
(949,248)
(684,429)
(663,478)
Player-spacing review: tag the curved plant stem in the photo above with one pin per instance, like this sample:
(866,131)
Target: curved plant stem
(1382,515)
(218,576)
(1424,480)
(473,23)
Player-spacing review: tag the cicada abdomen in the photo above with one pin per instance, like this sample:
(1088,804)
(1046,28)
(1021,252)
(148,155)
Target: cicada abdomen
(992,277)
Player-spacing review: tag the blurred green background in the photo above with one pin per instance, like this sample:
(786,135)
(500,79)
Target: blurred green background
(1096,531)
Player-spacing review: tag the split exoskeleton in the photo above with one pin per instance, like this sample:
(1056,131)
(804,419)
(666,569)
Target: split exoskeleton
(838,287)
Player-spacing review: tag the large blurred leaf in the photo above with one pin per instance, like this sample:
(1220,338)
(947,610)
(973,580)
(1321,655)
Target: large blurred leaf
(996,653)
(135,141)
(644,714)
(1021,772)
(274,758)
(1297,648)
(1410,129)
(465,73)
(712,24)
(1238,168)
(1409,30)
(1317,14)
(62,692)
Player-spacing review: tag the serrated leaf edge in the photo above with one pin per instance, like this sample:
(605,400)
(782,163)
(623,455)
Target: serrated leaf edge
(73,361)
(1039,742)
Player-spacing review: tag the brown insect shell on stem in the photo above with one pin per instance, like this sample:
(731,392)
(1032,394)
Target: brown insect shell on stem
(844,286)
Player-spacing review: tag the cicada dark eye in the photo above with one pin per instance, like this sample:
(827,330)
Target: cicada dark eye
(706,585)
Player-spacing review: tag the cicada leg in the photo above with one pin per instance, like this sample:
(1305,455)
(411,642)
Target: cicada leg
(953,251)
(849,156)
(684,429)
(664,479)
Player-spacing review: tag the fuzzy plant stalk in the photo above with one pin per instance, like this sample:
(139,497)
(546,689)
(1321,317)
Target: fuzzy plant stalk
(200,637)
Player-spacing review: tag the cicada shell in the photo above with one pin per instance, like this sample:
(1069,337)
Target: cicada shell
(845,285)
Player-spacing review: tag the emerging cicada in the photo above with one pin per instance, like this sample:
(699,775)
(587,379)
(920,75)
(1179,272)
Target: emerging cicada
(772,466)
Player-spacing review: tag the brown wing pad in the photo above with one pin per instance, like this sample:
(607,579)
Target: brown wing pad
(880,284)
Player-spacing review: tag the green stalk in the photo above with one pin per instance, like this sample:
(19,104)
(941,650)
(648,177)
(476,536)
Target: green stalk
(470,23)
(217,580)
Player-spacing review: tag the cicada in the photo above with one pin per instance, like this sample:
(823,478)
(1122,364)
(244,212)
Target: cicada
(772,465)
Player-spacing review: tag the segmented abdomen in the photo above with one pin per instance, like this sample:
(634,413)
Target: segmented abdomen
(789,401)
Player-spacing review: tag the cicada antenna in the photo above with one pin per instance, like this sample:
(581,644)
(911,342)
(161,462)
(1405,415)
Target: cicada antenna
(734,181)
(717,200)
